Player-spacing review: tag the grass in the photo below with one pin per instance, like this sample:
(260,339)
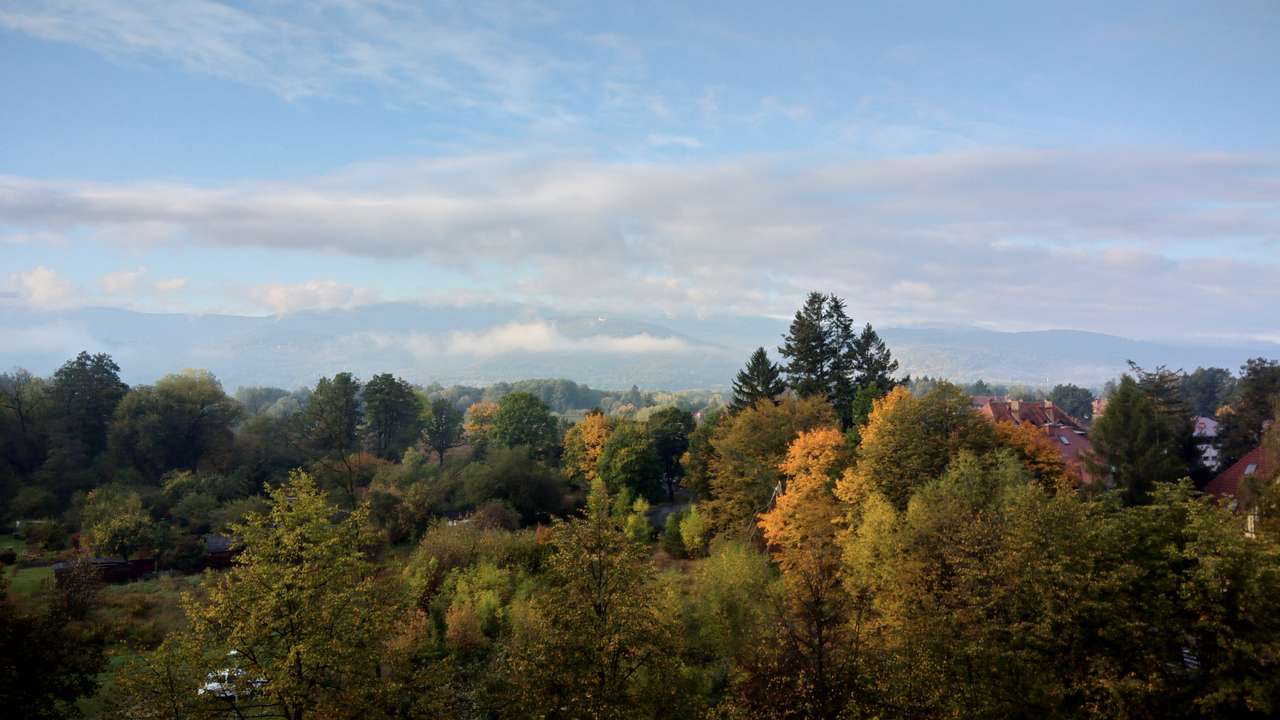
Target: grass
(12,541)
(26,581)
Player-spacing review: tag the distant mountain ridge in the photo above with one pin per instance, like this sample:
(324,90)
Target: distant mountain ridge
(481,344)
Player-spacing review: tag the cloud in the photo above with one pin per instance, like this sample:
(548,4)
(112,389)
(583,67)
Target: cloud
(677,140)
(283,298)
(170,285)
(1123,240)
(43,289)
(470,53)
(526,337)
(122,282)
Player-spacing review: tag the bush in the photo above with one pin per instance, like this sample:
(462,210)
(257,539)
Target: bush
(672,542)
(8,556)
(46,534)
(693,531)
(445,548)
(188,554)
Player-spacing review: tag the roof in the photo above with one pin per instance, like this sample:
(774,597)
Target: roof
(1064,431)
(1255,463)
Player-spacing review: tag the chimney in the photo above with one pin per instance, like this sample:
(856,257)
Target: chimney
(1015,406)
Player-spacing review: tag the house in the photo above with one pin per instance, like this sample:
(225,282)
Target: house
(1068,434)
(1232,485)
(1206,434)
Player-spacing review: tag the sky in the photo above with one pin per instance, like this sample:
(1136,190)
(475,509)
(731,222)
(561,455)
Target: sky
(1101,166)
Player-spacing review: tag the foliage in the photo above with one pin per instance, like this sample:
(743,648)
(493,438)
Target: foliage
(630,460)
(392,415)
(761,379)
(583,444)
(331,424)
(523,419)
(1249,407)
(46,662)
(512,475)
(669,428)
(594,644)
(697,460)
(695,531)
(1207,389)
(443,428)
(1074,400)
(909,440)
(1136,446)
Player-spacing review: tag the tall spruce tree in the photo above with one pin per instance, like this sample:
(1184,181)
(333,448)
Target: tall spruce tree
(1135,445)
(760,379)
(807,348)
(842,341)
(873,362)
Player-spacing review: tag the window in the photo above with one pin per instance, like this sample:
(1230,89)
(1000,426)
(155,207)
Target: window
(1064,439)
(1251,468)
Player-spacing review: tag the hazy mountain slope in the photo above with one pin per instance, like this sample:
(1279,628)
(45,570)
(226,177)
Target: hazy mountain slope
(487,343)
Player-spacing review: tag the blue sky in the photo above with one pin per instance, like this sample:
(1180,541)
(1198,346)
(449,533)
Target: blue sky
(1101,166)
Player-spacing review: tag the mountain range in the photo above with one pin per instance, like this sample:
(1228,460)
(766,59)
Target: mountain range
(480,344)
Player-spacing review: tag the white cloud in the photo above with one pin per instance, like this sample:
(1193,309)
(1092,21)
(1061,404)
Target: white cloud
(43,289)
(283,298)
(526,337)
(122,282)
(685,141)
(170,285)
(1126,241)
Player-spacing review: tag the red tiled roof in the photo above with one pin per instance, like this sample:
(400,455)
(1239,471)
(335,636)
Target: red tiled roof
(1065,432)
(1227,484)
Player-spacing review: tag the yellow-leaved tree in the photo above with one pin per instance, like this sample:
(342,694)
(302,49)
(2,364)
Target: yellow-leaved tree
(296,629)
(583,444)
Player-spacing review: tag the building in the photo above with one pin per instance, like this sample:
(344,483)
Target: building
(1206,434)
(1231,486)
(1068,434)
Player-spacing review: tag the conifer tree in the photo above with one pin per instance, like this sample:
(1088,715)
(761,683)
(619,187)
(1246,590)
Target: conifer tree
(760,379)
(873,362)
(1134,445)
(807,348)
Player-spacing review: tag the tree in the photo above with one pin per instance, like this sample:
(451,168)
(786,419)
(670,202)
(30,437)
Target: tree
(392,415)
(873,363)
(331,425)
(595,644)
(747,450)
(807,349)
(1037,454)
(523,419)
(629,460)
(697,460)
(1135,445)
(669,428)
(583,444)
(182,422)
(1249,409)
(113,522)
(816,648)
(297,625)
(46,662)
(514,476)
(1207,389)
(24,415)
(83,395)
(443,427)
(1074,400)
(909,440)
(478,427)
(761,379)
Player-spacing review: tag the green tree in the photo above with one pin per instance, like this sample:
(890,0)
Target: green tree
(761,379)
(181,423)
(1207,389)
(595,643)
(83,395)
(46,662)
(523,419)
(697,460)
(1135,445)
(873,363)
(1074,400)
(392,415)
(630,460)
(808,351)
(1249,409)
(303,610)
(669,429)
(442,430)
(331,426)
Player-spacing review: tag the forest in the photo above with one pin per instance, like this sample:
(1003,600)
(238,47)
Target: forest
(831,539)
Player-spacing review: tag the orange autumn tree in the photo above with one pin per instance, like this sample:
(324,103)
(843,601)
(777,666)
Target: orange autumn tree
(583,445)
(1037,453)
(813,655)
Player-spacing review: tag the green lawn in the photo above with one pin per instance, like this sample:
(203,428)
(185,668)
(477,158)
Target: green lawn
(12,541)
(26,581)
